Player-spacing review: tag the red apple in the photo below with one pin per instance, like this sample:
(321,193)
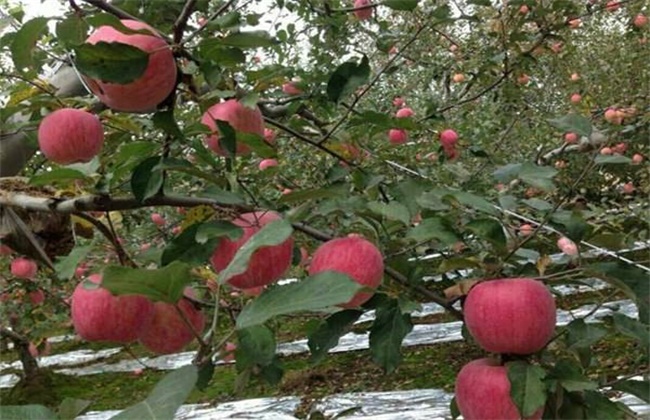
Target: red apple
(483,392)
(153,86)
(158,219)
(36,297)
(560,164)
(355,256)
(620,148)
(606,151)
(448,138)
(270,135)
(286,191)
(397,136)
(640,20)
(228,354)
(5,250)
(268,163)
(291,88)
(575,77)
(167,332)
(266,265)
(524,9)
(523,79)
(628,188)
(576,98)
(451,152)
(574,23)
(513,316)
(612,6)
(97,315)
(24,268)
(458,78)
(362,14)
(525,229)
(398,101)
(567,246)
(637,158)
(571,138)
(239,117)
(404,113)
(613,116)
(70,135)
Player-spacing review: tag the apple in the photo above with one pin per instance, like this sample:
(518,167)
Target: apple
(23,268)
(512,316)
(571,138)
(268,163)
(167,332)
(158,219)
(228,354)
(526,229)
(448,138)
(628,188)
(286,191)
(362,14)
(451,152)
(612,116)
(612,6)
(576,98)
(153,86)
(567,246)
(176,230)
(606,151)
(640,20)
(524,9)
(97,315)
(458,78)
(270,135)
(637,159)
(291,88)
(240,118)
(36,297)
(145,247)
(557,47)
(5,250)
(620,148)
(393,50)
(404,113)
(574,23)
(266,265)
(397,136)
(560,164)
(575,77)
(352,255)
(398,101)
(70,135)
(253,291)
(523,79)
(483,392)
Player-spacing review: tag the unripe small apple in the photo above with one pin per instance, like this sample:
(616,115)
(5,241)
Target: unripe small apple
(70,135)
(575,77)
(404,113)
(397,136)
(448,138)
(628,188)
(458,78)
(355,256)
(637,159)
(158,219)
(24,268)
(606,151)
(640,20)
(398,101)
(571,138)
(576,98)
(524,9)
(153,86)
(270,135)
(525,229)
(267,163)
(291,88)
(362,14)
(240,118)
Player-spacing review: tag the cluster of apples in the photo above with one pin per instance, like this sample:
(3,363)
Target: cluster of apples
(398,135)
(513,316)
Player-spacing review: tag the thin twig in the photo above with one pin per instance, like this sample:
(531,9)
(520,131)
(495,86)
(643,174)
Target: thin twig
(181,22)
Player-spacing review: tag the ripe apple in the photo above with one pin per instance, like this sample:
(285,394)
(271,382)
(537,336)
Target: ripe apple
(560,164)
(606,151)
(398,101)
(571,138)
(567,246)
(448,138)
(620,148)
(637,158)
(362,14)
(291,88)
(270,135)
(158,219)
(5,250)
(23,268)
(612,116)
(355,256)
(268,163)
(451,152)
(523,79)
(286,191)
(239,117)
(483,392)
(575,77)
(628,188)
(526,229)
(167,332)
(404,113)
(524,9)
(513,316)
(557,47)
(576,98)
(574,23)
(70,135)
(640,20)
(266,265)
(97,315)
(397,136)
(153,86)
(458,78)
(36,297)
(228,354)
(612,6)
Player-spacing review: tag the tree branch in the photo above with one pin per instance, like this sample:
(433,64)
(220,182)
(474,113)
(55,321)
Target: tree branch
(181,22)
(107,7)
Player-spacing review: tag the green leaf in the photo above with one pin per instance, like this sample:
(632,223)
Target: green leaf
(24,42)
(256,347)
(537,176)
(271,234)
(386,335)
(570,376)
(227,137)
(26,412)
(347,78)
(72,31)
(145,180)
(538,204)
(185,248)
(315,194)
(527,388)
(164,120)
(407,5)
(164,284)
(253,39)
(433,228)
(218,229)
(314,293)
(630,280)
(391,211)
(573,123)
(640,389)
(71,408)
(213,50)
(600,407)
(56,175)
(453,408)
(328,333)
(582,335)
(475,202)
(165,399)
(633,328)
(65,267)
(575,226)
(257,144)
(111,62)
(612,159)
(490,230)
